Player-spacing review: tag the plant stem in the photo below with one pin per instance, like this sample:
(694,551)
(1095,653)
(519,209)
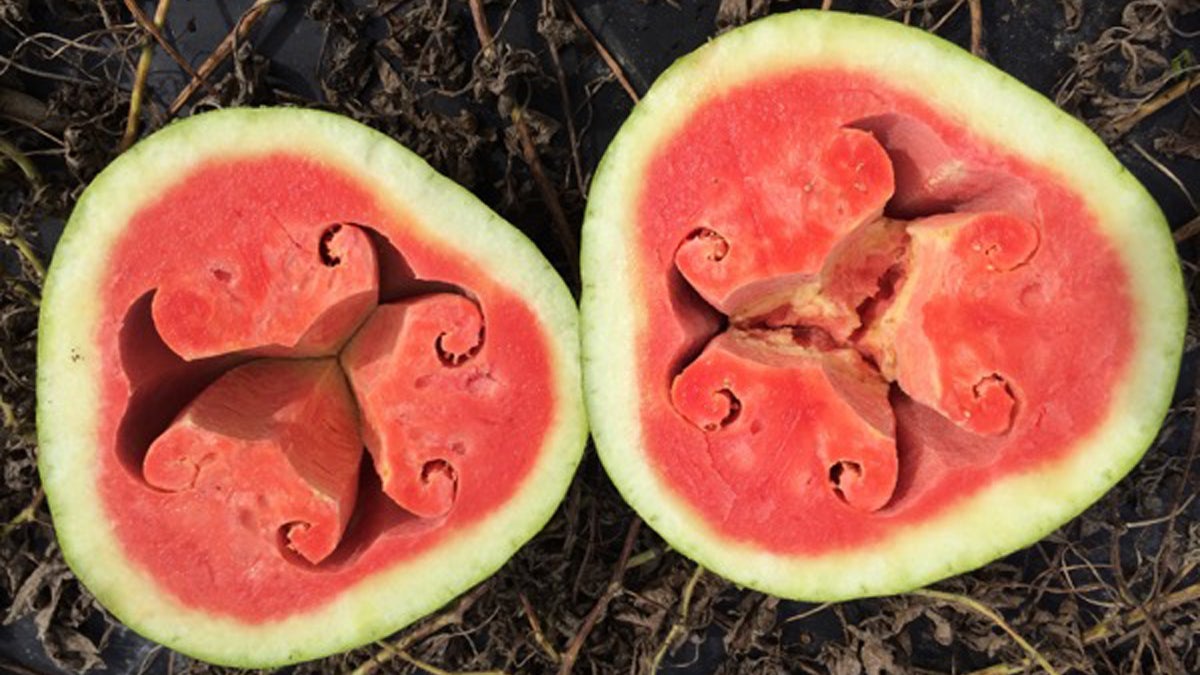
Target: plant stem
(139,78)
(994,617)
(610,592)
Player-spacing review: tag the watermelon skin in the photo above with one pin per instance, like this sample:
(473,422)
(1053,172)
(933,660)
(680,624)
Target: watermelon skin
(1015,510)
(71,389)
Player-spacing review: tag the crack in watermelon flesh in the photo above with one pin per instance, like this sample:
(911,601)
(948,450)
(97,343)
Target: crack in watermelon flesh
(869,312)
(251,368)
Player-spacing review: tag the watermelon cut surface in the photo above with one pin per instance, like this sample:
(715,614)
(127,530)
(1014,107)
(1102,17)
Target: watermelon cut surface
(296,390)
(861,312)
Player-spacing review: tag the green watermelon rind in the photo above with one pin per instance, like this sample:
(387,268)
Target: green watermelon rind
(992,522)
(69,379)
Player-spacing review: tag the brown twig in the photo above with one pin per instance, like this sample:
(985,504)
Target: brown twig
(536,626)
(976,7)
(572,136)
(615,67)
(1162,168)
(222,52)
(1168,96)
(587,551)
(448,618)
(597,611)
(139,77)
(1104,629)
(153,27)
(994,617)
(685,604)
(434,670)
(826,5)
(1188,230)
(946,17)
(482,29)
(562,230)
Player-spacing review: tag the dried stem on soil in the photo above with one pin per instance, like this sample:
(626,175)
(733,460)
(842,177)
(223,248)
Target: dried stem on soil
(677,628)
(536,626)
(140,75)
(1123,124)
(222,52)
(434,670)
(1162,168)
(976,7)
(153,27)
(562,230)
(10,236)
(448,618)
(1188,230)
(482,29)
(565,99)
(615,67)
(994,617)
(598,610)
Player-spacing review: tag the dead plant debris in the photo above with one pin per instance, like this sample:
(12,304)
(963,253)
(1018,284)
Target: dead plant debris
(508,113)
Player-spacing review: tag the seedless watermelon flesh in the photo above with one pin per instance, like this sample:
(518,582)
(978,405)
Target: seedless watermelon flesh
(269,289)
(862,312)
(758,398)
(734,256)
(407,350)
(296,390)
(251,446)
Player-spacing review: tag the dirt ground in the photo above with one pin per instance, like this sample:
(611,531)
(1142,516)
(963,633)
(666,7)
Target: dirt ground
(516,101)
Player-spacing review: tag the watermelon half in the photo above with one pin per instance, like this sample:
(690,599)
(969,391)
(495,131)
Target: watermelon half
(861,311)
(239,306)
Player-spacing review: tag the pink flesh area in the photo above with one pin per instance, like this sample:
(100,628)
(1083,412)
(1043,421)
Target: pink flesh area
(418,413)
(232,558)
(959,264)
(281,292)
(780,408)
(274,442)
(841,185)
(974,317)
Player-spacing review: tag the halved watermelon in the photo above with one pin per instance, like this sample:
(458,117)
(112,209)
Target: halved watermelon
(861,311)
(238,306)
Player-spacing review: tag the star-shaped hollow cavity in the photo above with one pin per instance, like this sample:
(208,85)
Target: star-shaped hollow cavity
(829,315)
(318,369)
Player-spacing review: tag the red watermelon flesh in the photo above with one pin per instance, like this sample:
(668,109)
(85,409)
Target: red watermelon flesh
(248,443)
(239,483)
(758,397)
(732,260)
(407,349)
(920,261)
(284,290)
